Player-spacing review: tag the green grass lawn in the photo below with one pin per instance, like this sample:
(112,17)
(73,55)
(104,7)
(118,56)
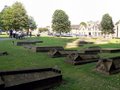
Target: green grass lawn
(80,77)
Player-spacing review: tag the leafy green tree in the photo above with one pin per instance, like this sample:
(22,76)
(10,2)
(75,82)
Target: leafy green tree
(107,24)
(6,18)
(83,23)
(14,17)
(60,22)
(43,29)
(0,21)
(20,17)
(31,23)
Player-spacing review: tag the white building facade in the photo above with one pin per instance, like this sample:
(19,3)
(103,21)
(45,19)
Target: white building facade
(117,30)
(91,29)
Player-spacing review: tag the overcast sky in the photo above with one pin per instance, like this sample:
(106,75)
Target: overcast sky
(77,10)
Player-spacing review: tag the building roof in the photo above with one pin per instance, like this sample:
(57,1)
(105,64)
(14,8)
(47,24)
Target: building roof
(75,26)
(118,22)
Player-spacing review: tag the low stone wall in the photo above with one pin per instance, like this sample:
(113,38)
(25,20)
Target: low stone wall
(29,79)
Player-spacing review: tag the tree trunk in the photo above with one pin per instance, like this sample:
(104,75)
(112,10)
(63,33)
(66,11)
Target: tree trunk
(60,34)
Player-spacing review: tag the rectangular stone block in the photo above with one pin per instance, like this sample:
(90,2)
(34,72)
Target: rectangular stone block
(92,50)
(109,65)
(1,83)
(30,79)
(46,48)
(110,50)
(60,53)
(77,59)
(29,42)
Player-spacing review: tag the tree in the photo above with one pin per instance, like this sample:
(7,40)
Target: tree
(14,17)
(6,18)
(20,17)
(107,24)
(83,23)
(31,23)
(60,22)
(0,21)
(43,29)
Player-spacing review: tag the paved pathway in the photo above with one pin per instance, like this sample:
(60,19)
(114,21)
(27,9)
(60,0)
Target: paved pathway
(1,39)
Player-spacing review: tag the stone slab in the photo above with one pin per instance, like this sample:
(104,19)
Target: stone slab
(29,42)
(60,53)
(45,48)
(81,59)
(31,78)
(108,65)
(110,50)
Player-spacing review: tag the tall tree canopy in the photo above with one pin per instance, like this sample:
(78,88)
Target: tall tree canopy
(15,17)
(107,24)
(60,22)
(20,17)
(31,23)
(6,18)
(0,21)
(43,29)
(83,23)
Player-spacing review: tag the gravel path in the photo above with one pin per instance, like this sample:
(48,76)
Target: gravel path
(1,39)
